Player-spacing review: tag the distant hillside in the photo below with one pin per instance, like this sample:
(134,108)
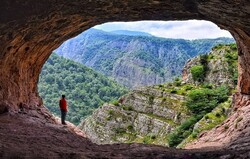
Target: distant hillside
(85,89)
(134,60)
(130,33)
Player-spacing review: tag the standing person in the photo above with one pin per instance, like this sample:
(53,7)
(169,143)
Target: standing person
(63,107)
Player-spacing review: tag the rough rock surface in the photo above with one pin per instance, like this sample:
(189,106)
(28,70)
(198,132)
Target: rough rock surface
(218,72)
(143,113)
(30,30)
(25,136)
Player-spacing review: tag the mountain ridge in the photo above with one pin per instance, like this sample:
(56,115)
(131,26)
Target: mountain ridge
(131,33)
(134,60)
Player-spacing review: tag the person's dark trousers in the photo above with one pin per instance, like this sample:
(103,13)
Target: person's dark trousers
(63,116)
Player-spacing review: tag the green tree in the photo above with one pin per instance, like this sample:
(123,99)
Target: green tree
(202,101)
(198,73)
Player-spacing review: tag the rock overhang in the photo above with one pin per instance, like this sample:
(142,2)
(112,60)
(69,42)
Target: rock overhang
(30,30)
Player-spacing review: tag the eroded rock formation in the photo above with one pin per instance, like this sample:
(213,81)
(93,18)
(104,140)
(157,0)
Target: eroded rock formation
(30,30)
(142,114)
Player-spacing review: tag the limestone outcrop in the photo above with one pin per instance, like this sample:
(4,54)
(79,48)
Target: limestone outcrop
(220,66)
(142,114)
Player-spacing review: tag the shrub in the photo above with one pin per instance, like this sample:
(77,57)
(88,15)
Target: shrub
(207,85)
(130,127)
(188,87)
(217,114)
(189,122)
(231,56)
(161,86)
(174,139)
(151,99)
(149,138)
(199,102)
(194,134)
(183,131)
(221,93)
(115,102)
(203,59)
(129,108)
(219,46)
(111,112)
(120,130)
(153,136)
(173,91)
(223,110)
(169,84)
(198,73)
(233,46)
(146,140)
(177,83)
(177,79)
(202,101)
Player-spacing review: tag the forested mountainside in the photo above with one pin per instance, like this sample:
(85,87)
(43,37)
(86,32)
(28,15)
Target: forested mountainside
(134,59)
(171,114)
(85,89)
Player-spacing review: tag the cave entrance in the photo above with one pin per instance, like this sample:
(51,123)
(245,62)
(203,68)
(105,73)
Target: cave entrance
(31,30)
(105,46)
(30,48)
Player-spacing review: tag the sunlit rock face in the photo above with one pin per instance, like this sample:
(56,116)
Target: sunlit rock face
(30,30)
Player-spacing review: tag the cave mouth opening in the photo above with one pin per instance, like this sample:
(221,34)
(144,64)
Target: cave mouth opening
(58,71)
(31,30)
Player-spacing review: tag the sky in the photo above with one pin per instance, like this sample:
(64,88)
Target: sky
(190,29)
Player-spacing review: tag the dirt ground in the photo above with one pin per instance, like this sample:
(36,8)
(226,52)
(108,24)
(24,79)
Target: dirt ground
(31,136)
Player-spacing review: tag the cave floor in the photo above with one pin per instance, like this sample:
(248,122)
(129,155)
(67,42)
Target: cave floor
(26,136)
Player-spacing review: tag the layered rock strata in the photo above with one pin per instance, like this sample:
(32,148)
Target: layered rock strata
(143,113)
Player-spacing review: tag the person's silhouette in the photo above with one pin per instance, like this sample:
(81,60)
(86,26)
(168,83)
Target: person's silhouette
(63,108)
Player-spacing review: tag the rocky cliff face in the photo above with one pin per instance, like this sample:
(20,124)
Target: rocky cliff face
(145,115)
(220,66)
(150,114)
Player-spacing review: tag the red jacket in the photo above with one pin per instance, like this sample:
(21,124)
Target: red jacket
(63,104)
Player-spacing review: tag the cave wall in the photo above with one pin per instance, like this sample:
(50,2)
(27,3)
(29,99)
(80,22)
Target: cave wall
(31,29)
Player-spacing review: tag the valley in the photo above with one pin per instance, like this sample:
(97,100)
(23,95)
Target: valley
(135,59)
